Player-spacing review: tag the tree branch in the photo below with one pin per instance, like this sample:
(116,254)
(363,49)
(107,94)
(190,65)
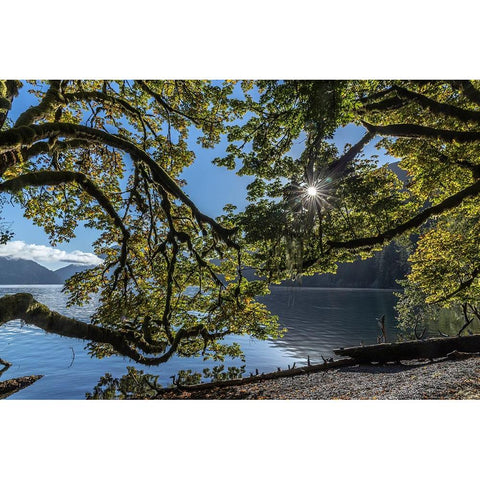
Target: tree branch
(12,87)
(463,286)
(339,166)
(438,107)
(37,179)
(468,90)
(416,221)
(46,147)
(101,97)
(24,307)
(41,178)
(392,103)
(16,138)
(50,99)
(417,131)
(158,98)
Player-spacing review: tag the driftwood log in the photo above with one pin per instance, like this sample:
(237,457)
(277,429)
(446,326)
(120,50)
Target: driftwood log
(9,387)
(344,362)
(417,349)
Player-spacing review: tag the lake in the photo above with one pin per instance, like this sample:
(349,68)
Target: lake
(318,320)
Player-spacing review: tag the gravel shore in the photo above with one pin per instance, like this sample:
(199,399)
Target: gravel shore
(445,379)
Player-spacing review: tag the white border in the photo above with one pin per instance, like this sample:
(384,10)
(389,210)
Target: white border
(248,39)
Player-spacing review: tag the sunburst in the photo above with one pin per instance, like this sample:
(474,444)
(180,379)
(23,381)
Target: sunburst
(316,194)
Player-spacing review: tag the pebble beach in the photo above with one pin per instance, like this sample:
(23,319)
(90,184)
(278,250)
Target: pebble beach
(439,380)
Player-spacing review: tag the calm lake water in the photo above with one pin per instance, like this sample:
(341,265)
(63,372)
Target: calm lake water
(318,320)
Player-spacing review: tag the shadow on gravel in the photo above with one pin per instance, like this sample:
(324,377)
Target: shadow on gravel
(389,368)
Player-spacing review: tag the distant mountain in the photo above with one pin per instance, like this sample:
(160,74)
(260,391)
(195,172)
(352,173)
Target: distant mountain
(65,273)
(15,271)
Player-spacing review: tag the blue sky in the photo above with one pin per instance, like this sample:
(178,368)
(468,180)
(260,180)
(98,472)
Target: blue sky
(209,186)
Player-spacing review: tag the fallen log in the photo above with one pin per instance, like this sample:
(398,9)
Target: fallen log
(416,349)
(9,387)
(344,362)
(456,355)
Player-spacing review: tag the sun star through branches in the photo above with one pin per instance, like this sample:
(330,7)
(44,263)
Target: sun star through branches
(316,193)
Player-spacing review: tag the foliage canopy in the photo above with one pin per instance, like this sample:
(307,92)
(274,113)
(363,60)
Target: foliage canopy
(109,154)
(432,127)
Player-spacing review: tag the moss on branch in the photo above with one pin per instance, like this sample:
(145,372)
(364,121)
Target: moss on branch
(26,136)
(22,306)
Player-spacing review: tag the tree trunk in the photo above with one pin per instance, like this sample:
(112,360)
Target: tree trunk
(432,348)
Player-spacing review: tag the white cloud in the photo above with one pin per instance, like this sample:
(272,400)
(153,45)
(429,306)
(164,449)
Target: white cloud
(41,253)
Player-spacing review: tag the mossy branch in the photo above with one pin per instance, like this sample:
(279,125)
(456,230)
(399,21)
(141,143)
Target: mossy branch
(168,108)
(49,101)
(468,90)
(438,107)
(26,136)
(46,147)
(22,306)
(404,96)
(46,177)
(409,130)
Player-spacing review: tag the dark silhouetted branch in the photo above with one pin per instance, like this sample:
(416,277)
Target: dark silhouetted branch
(417,131)
(438,107)
(416,221)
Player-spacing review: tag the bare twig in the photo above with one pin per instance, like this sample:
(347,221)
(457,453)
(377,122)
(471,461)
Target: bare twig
(73,357)
(419,337)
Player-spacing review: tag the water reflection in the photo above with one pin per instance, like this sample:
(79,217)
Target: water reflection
(321,319)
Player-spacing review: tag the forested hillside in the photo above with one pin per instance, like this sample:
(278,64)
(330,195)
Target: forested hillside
(381,271)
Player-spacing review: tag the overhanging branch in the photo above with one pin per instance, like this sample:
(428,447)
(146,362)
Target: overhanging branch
(159,99)
(339,166)
(50,100)
(408,130)
(438,107)
(46,147)
(22,306)
(41,178)
(24,136)
(468,90)
(416,221)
